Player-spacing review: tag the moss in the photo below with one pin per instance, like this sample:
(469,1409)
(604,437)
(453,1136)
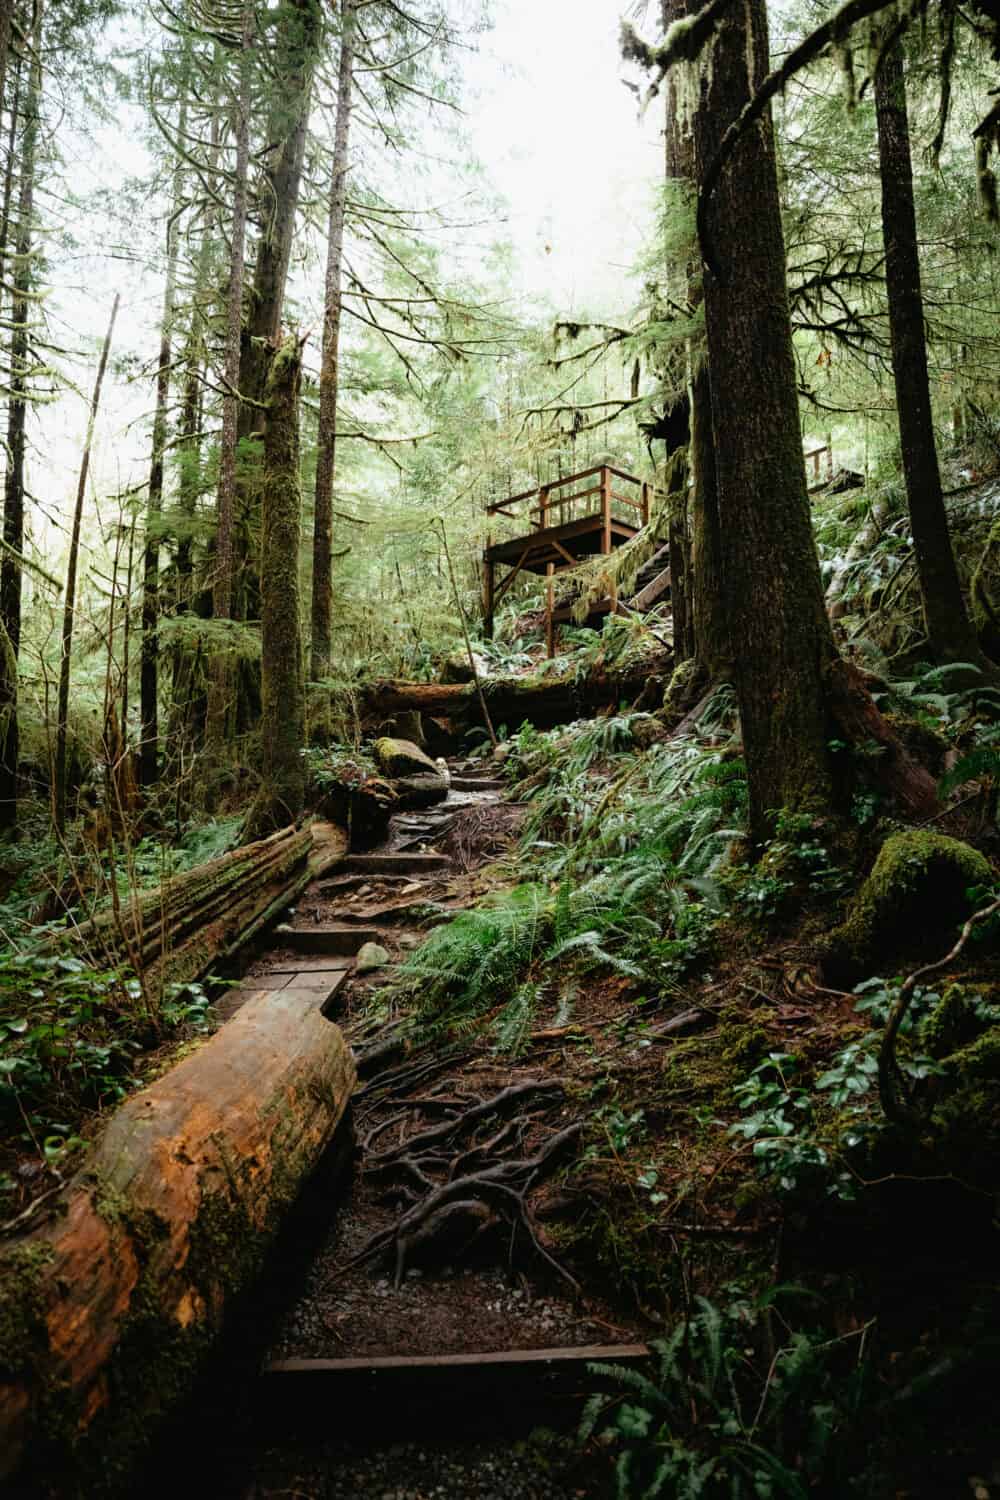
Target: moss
(926,744)
(951,1024)
(917,890)
(743,1046)
(402,758)
(979,1060)
(22,1314)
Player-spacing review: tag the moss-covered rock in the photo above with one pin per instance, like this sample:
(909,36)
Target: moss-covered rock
(917,891)
(402,758)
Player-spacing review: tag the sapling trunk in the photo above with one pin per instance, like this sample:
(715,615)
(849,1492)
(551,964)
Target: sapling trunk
(949,629)
(69,604)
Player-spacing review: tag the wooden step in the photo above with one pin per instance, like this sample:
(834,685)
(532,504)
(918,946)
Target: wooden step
(481,1391)
(477,784)
(344,938)
(396,864)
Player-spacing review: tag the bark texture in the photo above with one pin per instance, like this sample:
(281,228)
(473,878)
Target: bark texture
(282,724)
(773,592)
(949,629)
(329,378)
(109,1309)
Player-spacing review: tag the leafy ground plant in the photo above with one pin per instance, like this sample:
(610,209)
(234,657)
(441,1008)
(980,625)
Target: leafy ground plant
(741,1406)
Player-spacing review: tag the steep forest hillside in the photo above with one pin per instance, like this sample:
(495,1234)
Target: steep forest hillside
(499,749)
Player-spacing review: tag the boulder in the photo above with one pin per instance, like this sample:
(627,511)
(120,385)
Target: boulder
(457,669)
(396,758)
(915,896)
(371,956)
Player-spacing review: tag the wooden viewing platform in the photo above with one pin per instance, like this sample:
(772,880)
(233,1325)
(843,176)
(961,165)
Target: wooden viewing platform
(569,520)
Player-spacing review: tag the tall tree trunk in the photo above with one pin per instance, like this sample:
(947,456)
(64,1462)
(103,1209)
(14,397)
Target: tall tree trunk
(69,602)
(282,724)
(13,512)
(774,597)
(149,653)
(222,588)
(712,648)
(949,629)
(296,41)
(705,636)
(330,368)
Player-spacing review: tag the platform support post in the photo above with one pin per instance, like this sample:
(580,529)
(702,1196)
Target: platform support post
(606,510)
(550,624)
(489,590)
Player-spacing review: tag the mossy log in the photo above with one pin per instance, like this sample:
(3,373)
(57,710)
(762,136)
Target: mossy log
(543,701)
(175,932)
(109,1308)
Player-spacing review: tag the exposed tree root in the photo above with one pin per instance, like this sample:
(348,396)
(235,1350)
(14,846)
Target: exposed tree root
(457,1192)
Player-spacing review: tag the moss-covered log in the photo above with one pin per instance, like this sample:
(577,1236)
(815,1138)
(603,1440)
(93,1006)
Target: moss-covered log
(109,1307)
(543,701)
(175,932)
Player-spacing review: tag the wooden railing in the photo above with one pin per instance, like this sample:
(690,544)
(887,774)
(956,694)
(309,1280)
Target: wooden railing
(554,508)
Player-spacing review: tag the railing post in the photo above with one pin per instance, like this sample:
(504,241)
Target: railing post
(645,502)
(606,509)
(543,507)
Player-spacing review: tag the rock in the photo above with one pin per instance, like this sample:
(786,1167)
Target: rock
(457,669)
(402,758)
(371,956)
(916,894)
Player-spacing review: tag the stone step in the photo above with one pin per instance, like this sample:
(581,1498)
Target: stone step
(396,864)
(477,784)
(344,938)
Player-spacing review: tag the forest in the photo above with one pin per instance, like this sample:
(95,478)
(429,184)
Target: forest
(499,749)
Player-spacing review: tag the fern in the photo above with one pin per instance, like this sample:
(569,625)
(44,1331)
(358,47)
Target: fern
(984,761)
(513,1025)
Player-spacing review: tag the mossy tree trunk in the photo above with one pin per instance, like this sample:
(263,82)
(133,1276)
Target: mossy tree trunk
(706,625)
(326,439)
(949,629)
(17,420)
(773,592)
(293,49)
(219,686)
(282,724)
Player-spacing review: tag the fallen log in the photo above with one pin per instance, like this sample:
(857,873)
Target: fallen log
(543,701)
(110,1306)
(175,932)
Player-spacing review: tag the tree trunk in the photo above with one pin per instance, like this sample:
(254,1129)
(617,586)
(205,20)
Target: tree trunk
(282,725)
(69,601)
(149,653)
(949,629)
(177,932)
(329,371)
(774,597)
(706,633)
(222,588)
(110,1308)
(297,32)
(543,702)
(712,649)
(13,512)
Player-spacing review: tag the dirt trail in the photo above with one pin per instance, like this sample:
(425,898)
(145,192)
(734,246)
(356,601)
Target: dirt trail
(483,1282)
